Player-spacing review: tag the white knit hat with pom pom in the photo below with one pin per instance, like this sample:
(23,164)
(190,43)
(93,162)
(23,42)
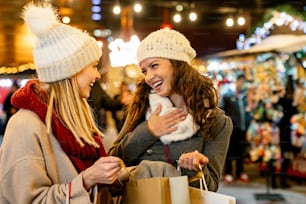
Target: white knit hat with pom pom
(166,43)
(61,50)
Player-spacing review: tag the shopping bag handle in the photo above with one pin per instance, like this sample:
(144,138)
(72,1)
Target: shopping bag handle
(200,177)
(202,180)
(124,174)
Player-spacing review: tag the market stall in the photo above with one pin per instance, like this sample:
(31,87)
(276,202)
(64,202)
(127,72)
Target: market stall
(269,61)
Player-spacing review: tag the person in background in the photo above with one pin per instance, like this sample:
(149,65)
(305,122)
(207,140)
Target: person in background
(299,96)
(8,108)
(164,57)
(287,150)
(53,151)
(101,101)
(234,104)
(124,95)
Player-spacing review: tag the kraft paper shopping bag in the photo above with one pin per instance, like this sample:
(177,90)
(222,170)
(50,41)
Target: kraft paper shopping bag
(147,191)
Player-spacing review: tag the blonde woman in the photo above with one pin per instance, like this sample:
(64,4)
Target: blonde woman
(53,151)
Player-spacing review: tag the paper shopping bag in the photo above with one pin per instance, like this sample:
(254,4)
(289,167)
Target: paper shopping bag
(147,191)
(204,196)
(179,190)
(198,196)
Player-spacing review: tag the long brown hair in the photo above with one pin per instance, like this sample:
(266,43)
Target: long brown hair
(198,91)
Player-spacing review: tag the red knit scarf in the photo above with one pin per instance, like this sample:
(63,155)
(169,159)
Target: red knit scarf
(31,98)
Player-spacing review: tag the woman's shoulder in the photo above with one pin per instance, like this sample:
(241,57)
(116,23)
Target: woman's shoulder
(25,123)
(222,118)
(25,117)
(220,113)
(23,141)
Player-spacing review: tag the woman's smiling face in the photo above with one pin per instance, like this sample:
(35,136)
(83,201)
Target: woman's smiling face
(86,79)
(158,73)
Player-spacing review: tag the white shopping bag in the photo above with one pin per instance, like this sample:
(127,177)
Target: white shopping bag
(203,196)
(179,190)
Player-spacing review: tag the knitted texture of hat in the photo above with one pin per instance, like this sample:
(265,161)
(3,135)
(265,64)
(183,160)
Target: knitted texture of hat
(61,50)
(166,43)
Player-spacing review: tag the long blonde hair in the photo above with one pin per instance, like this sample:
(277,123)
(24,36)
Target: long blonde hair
(73,111)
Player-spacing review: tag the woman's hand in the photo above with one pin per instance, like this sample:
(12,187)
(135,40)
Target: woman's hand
(160,125)
(103,171)
(192,160)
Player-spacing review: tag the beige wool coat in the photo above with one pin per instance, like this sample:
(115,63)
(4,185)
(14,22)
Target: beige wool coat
(34,169)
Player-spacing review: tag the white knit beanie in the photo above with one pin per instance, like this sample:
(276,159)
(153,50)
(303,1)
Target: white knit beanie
(165,43)
(61,50)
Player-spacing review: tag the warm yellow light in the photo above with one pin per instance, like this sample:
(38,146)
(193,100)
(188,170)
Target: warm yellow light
(241,21)
(117,10)
(137,7)
(23,44)
(179,8)
(202,69)
(229,22)
(177,18)
(123,53)
(66,19)
(193,16)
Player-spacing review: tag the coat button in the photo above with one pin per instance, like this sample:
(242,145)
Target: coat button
(149,151)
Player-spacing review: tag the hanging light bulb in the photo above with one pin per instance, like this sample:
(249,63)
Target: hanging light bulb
(179,8)
(177,18)
(116,10)
(193,16)
(66,19)
(241,21)
(137,7)
(229,22)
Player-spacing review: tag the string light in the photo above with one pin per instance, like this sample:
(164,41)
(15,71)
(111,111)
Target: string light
(179,8)
(278,19)
(193,16)
(14,70)
(66,19)
(137,7)
(229,22)
(177,18)
(241,21)
(116,10)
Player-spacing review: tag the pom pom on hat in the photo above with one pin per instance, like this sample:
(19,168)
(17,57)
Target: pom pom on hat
(39,19)
(61,51)
(165,43)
